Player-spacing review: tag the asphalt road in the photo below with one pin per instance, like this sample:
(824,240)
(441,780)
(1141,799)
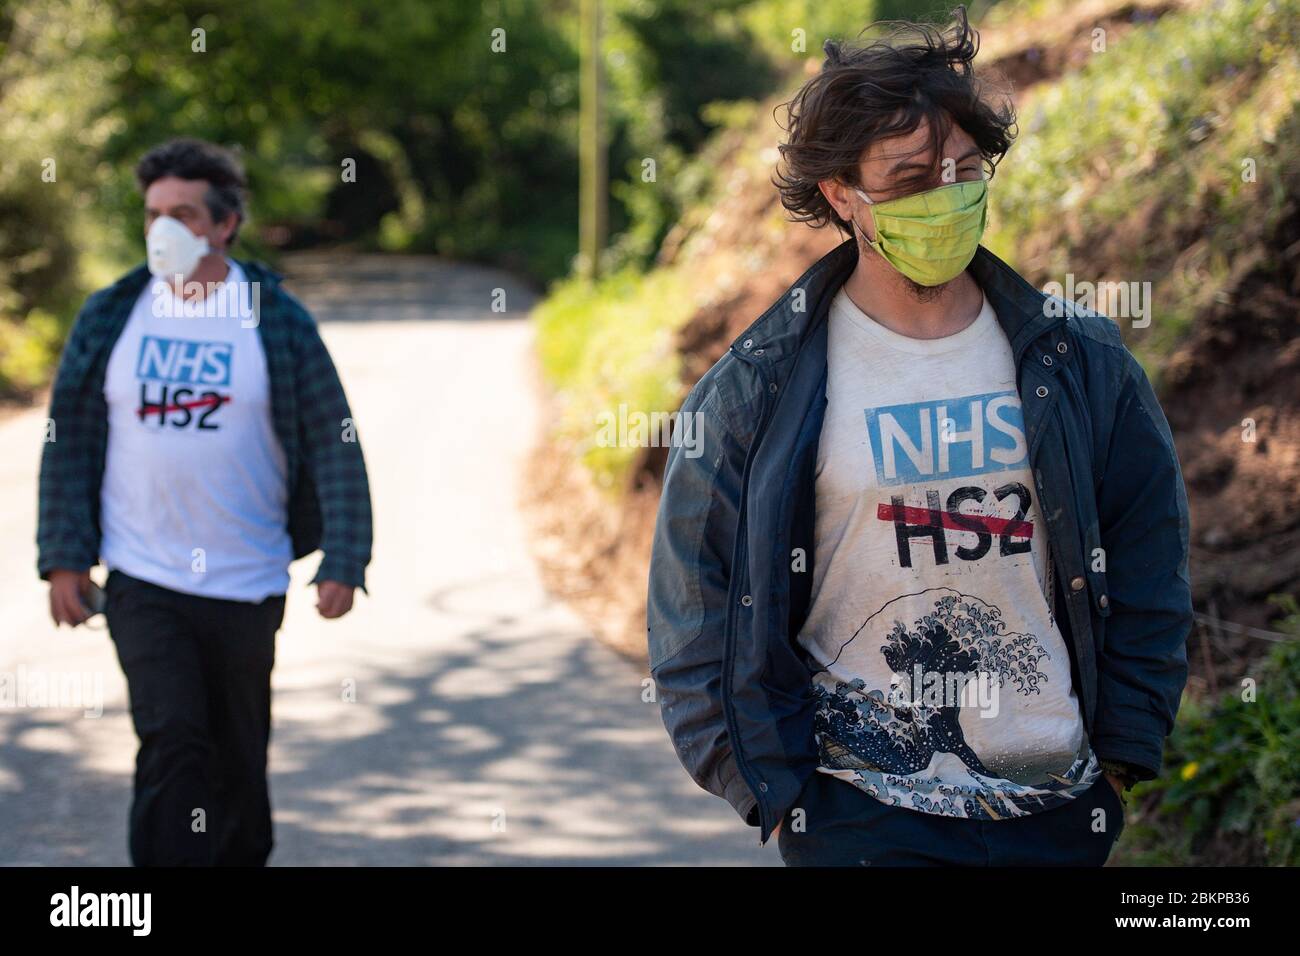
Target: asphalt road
(458,715)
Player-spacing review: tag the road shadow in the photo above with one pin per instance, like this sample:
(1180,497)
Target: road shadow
(479,755)
(519,769)
(56,807)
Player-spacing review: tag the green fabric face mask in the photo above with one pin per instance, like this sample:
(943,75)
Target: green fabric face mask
(930,236)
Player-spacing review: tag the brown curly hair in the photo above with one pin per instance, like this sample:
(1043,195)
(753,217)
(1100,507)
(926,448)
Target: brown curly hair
(188,158)
(886,87)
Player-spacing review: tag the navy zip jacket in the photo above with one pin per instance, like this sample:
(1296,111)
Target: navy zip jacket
(329,497)
(726,603)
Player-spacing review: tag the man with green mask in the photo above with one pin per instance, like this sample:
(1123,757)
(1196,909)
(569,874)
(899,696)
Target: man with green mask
(924,597)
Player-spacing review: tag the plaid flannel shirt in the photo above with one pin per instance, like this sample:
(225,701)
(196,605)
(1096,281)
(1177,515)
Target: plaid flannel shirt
(329,500)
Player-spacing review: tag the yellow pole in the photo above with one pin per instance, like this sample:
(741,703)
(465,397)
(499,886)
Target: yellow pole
(593,215)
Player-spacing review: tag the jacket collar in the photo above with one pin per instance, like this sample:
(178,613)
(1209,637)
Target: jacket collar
(776,335)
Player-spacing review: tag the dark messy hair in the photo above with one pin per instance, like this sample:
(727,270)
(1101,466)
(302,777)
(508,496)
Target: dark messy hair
(198,159)
(886,87)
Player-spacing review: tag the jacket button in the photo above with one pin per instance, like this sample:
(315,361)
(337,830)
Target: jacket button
(758,351)
(747,343)
(1076,584)
(1047,360)
(762,786)
(1061,347)
(747,600)
(772,388)
(1041,391)
(1103,601)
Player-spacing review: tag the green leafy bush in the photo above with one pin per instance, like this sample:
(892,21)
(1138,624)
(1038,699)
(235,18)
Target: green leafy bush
(48,247)
(1231,791)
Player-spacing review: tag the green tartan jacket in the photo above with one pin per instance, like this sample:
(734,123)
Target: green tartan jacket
(329,499)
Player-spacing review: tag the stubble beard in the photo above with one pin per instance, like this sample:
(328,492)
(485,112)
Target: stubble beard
(923,293)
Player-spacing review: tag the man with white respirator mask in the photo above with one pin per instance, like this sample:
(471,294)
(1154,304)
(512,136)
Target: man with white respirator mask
(201,442)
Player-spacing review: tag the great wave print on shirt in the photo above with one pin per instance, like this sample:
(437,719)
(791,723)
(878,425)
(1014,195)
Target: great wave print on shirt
(909,697)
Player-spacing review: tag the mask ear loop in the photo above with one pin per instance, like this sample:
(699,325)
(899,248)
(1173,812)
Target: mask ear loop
(853,219)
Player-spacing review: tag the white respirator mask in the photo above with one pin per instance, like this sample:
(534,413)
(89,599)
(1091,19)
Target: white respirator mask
(172,249)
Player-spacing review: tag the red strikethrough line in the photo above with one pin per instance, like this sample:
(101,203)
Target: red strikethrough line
(921,516)
(179,406)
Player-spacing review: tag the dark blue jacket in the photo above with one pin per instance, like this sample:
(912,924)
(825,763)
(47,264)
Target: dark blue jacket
(725,602)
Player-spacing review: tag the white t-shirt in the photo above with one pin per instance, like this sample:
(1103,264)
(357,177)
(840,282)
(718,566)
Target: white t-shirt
(944,682)
(195,492)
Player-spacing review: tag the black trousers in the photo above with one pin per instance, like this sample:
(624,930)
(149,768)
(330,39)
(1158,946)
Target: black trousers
(199,675)
(843,826)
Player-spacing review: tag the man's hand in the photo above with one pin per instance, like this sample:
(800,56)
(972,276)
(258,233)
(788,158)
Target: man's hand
(68,591)
(1117,783)
(333,599)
